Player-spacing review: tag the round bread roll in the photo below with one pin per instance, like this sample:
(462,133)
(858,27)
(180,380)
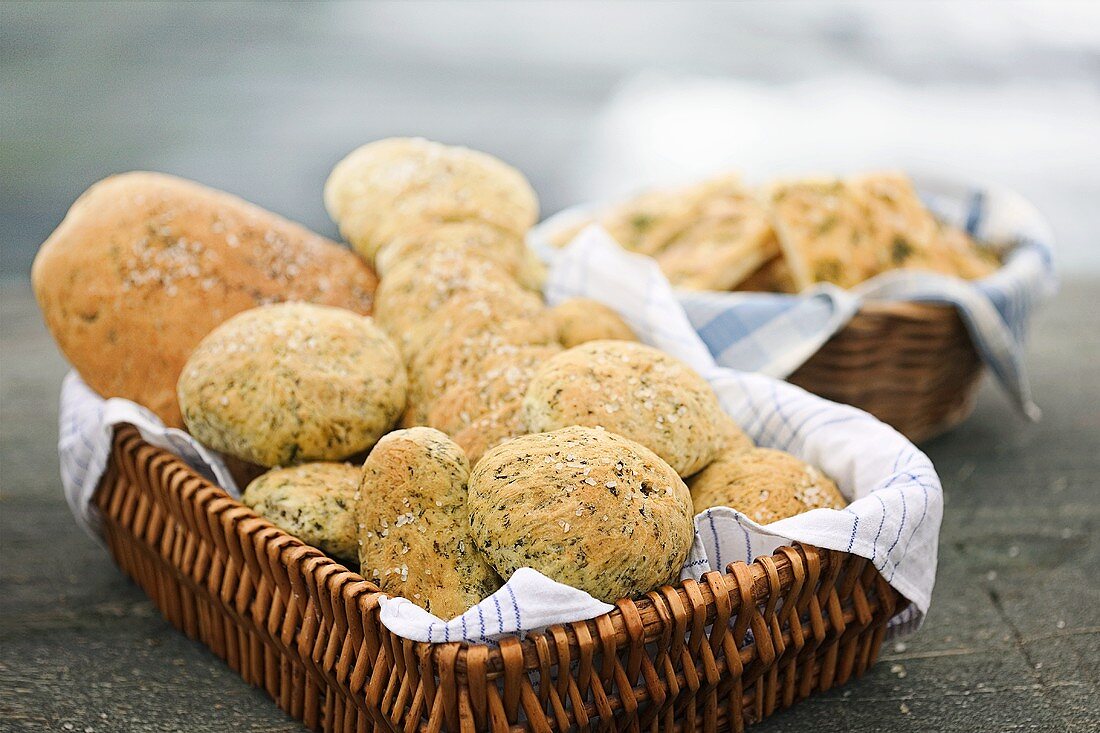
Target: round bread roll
(145,264)
(499,380)
(734,439)
(471,313)
(414,290)
(765,485)
(414,536)
(580,320)
(633,390)
(460,354)
(585,507)
(491,429)
(293,382)
(398,184)
(315,502)
(472,239)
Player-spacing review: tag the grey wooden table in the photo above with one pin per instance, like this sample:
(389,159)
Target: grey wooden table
(1012,641)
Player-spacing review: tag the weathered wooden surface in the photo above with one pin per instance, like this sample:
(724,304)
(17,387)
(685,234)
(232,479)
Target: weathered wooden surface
(1012,642)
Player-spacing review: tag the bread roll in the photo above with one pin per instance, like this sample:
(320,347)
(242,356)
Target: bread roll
(315,502)
(471,239)
(580,320)
(411,292)
(453,358)
(414,539)
(764,484)
(585,507)
(491,429)
(144,265)
(634,390)
(293,382)
(391,186)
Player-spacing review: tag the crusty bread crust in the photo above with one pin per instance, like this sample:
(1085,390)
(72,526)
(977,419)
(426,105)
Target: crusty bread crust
(764,484)
(580,320)
(390,186)
(145,264)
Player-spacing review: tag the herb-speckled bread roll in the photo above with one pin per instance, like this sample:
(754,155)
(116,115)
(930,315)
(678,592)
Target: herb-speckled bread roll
(315,502)
(764,484)
(490,429)
(634,390)
(291,383)
(459,354)
(395,185)
(734,439)
(145,264)
(580,320)
(585,507)
(413,291)
(496,381)
(471,239)
(414,537)
(472,313)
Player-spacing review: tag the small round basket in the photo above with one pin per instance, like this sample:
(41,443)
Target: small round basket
(911,365)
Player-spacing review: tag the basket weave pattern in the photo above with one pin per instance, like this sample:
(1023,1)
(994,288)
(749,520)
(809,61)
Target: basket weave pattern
(714,655)
(911,365)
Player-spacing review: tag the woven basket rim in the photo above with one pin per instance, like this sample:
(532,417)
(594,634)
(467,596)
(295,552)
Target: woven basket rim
(765,577)
(909,310)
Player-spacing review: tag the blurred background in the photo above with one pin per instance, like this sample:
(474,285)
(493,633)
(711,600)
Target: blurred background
(588,99)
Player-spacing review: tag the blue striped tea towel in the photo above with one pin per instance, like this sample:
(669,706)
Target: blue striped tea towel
(774,334)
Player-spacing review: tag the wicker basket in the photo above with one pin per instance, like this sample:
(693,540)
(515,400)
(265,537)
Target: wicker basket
(911,365)
(714,655)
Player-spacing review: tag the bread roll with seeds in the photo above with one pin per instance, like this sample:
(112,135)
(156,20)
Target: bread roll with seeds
(293,382)
(490,429)
(580,320)
(395,185)
(733,438)
(764,484)
(452,359)
(414,536)
(498,380)
(413,291)
(315,502)
(634,390)
(471,239)
(145,264)
(585,507)
(475,312)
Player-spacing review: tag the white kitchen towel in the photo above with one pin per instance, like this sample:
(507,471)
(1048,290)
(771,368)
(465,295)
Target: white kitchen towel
(774,334)
(893,518)
(86,427)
